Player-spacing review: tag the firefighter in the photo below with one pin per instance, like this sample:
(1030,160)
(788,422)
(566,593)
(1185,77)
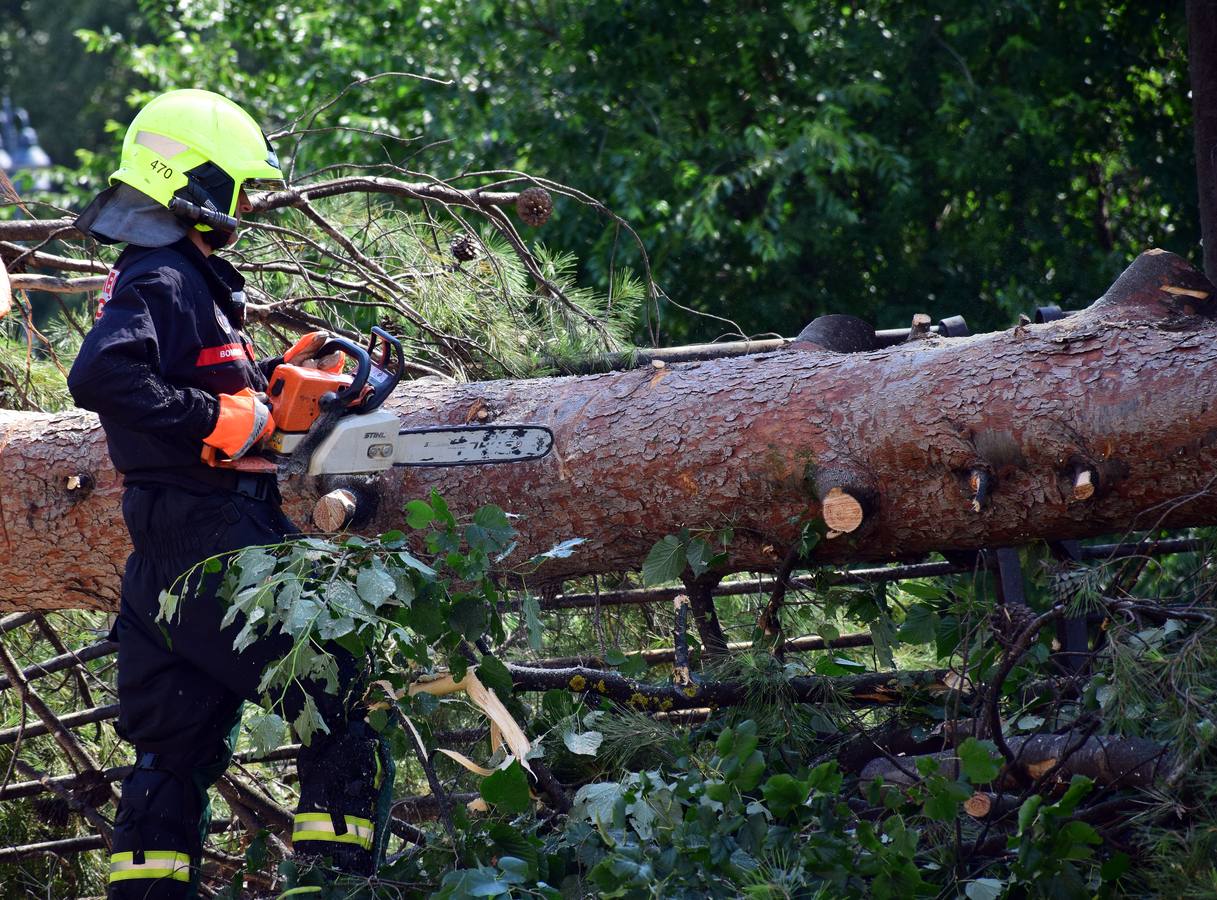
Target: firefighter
(170,372)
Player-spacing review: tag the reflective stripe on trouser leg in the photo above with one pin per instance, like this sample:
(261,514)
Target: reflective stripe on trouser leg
(157,864)
(320,827)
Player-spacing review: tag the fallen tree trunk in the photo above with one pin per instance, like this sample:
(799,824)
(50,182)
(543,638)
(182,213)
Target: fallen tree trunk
(898,439)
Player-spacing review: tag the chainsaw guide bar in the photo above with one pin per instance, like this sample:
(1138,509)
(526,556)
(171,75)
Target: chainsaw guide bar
(471,445)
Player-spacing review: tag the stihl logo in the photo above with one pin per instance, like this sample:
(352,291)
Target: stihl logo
(107,291)
(214,356)
(372,435)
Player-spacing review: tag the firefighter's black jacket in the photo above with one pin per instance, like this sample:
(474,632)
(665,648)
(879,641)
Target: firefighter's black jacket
(166,342)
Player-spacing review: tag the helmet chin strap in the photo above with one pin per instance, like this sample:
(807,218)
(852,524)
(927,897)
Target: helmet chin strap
(219,240)
(222,228)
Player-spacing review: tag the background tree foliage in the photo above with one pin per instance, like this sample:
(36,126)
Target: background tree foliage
(780,160)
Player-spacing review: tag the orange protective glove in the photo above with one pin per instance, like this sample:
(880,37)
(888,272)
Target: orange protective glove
(243,421)
(304,353)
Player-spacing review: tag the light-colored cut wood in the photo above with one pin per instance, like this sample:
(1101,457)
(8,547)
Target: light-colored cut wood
(842,511)
(334,511)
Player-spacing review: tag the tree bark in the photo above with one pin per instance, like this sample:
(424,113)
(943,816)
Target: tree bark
(1124,389)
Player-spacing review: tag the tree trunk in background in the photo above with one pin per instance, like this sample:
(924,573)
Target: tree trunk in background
(1202,66)
(1095,424)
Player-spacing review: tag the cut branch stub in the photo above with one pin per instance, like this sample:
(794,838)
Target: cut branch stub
(980,486)
(335,510)
(1085,482)
(842,511)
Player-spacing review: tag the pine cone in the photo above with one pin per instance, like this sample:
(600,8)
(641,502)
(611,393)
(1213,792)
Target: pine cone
(464,247)
(54,811)
(92,790)
(1008,622)
(534,206)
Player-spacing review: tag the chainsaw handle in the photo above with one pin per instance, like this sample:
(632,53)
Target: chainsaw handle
(363,367)
(388,363)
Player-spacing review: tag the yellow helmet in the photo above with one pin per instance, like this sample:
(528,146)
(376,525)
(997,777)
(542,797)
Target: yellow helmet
(199,147)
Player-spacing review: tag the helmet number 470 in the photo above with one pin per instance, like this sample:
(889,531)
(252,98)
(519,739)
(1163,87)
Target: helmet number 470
(158,166)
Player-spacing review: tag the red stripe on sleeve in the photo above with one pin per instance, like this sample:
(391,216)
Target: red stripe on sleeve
(214,356)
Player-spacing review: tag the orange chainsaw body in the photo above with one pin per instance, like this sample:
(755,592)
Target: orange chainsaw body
(295,395)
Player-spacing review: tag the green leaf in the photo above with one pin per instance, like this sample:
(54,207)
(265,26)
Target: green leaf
(416,564)
(467,617)
(584,744)
(920,625)
(265,732)
(330,628)
(507,789)
(309,721)
(442,514)
(883,635)
(531,607)
(1079,787)
(635,664)
(944,797)
(301,616)
(168,606)
(783,793)
(374,584)
(750,772)
(613,656)
(344,600)
(698,554)
(665,562)
(838,665)
(1026,812)
(979,760)
(493,674)
(595,802)
(426,618)
(923,591)
(984,889)
(1116,867)
(514,869)
(419,514)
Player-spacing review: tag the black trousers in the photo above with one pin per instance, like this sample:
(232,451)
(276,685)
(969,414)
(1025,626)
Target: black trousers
(181,684)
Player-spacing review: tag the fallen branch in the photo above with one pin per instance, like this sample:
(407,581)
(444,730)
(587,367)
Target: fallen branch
(664,655)
(872,689)
(1112,761)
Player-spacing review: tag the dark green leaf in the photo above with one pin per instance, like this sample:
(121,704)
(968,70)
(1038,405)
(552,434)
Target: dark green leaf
(468,618)
(920,625)
(783,793)
(507,789)
(493,674)
(419,514)
(665,562)
(979,760)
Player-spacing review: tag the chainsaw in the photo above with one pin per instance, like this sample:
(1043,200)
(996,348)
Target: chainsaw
(329,423)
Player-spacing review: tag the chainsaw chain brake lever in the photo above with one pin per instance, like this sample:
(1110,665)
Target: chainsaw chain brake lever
(382,373)
(388,363)
(363,367)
